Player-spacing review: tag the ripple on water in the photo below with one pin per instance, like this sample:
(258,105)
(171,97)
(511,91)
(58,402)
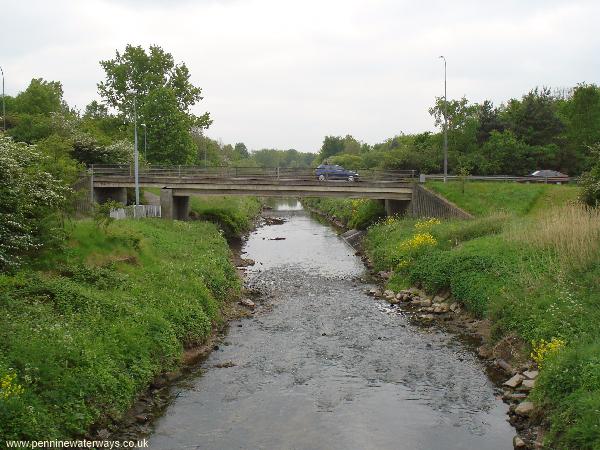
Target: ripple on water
(326,367)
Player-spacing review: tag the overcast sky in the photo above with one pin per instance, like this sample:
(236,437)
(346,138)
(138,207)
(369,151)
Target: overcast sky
(283,74)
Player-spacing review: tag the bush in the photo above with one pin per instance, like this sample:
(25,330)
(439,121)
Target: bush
(30,199)
(590,183)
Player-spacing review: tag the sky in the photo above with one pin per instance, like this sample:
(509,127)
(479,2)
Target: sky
(284,74)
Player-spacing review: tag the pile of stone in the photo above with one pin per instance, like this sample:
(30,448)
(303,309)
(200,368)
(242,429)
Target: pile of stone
(517,389)
(439,304)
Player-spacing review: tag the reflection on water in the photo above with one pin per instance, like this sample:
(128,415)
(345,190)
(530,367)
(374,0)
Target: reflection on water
(323,366)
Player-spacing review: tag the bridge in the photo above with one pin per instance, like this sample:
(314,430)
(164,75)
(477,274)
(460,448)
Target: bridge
(395,188)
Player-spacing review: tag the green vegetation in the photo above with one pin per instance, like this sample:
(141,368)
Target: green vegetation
(484,198)
(85,329)
(353,213)
(542,130)
(233,215)
(531,266)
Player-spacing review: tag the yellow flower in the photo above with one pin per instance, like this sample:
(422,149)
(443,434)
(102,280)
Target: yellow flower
(9,387)
(542,349)
(417,241)
(424,225)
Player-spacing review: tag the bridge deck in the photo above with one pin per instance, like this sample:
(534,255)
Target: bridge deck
(186,181)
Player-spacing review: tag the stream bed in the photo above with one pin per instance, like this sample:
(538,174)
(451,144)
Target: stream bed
(321,365)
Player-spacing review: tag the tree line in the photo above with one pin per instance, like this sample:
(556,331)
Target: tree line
(541,130)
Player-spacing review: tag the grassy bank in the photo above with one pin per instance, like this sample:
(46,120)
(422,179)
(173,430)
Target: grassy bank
(85,330)
(529,262)
(234,215)
(353,213)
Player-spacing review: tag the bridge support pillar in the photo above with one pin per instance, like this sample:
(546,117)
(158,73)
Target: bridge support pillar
(395,207)
(174,207)
(104,194)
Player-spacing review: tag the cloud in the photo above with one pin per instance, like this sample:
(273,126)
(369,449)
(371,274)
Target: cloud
(284,74)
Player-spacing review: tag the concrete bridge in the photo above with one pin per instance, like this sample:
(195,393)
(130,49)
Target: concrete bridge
(178,183)
(396,189)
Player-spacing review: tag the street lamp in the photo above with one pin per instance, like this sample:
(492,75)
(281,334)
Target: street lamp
(445,125)
(145,142)
(3,102)
(135,151)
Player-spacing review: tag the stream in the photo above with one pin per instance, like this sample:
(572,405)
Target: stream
(321,365)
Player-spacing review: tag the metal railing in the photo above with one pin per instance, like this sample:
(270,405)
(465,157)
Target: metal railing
(136,212)
(192,174)
(506,178)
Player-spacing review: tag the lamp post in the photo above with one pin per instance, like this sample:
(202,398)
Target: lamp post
(3,102)
(145,142)
(135,152)
(445,125)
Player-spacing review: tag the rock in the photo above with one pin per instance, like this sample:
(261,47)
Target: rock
(428,309)
(454,306)
(444,294)
(427,317)
(389,294)
(514,381)
(504,366)
(438,299)
(440,308)
(514,396)
(524,408)
(247,303)
(518,442)
(400,296)
(484,352)
(425,302)
(104,434)
(393,301)
(374,292)
(224,364)
(528,385)
(245,262)
(385,275)
(531,374)
(141,418)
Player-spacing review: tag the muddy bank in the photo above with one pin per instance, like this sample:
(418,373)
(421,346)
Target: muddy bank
(321,365)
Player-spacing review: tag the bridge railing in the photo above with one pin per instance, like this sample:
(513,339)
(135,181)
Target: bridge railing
(506,178)
(194,174)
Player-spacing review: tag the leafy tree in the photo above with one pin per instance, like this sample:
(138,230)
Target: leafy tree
(40,97)
(534,119)
(240,151)
(489,120)
(141,72)
(30,199)
(332,145)
(169,139)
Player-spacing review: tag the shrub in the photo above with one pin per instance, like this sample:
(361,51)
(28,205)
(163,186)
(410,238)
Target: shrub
(30,199)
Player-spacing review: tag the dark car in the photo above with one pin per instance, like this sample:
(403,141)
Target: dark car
(335,172)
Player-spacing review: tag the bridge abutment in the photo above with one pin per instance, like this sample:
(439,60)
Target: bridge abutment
(395,207)
(174,207)
(105,194)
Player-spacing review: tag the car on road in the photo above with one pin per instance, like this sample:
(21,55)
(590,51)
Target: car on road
(335,172)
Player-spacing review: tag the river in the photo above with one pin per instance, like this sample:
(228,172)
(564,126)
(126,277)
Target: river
(321,365)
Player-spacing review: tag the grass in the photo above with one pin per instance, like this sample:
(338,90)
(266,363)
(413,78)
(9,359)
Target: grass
(84,331)
(353,213)
(234,215)
(484,198)
(530,265)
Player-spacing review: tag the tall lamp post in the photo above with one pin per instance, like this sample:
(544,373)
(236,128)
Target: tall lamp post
(445,125)
(135,152)
(145,142)
(3,102)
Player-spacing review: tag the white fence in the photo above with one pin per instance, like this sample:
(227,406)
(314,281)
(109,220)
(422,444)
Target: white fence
(136,212)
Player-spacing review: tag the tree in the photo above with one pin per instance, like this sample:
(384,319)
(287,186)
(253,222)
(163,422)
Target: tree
(590,181)
(489,120)
(169,138)
(332,145)
(40,97)
(142,73)
(240,151)
(534,119)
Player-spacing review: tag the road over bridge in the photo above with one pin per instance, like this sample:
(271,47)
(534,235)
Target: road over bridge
(395,188)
